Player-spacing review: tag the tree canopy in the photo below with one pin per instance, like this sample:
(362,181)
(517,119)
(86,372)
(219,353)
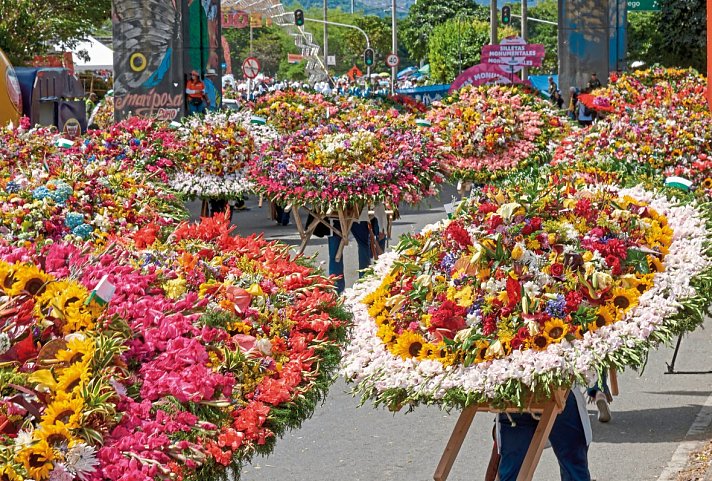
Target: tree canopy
(27,27)
(425,15)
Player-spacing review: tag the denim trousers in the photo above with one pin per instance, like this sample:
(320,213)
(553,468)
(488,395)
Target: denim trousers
(363,243)
(567,439)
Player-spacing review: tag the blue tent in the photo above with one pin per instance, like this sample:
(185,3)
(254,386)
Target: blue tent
(407,72)
(541,83)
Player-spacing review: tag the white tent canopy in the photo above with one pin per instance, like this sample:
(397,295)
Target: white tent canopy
(101,57)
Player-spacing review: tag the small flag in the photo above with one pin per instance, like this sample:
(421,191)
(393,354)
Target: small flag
(678,182)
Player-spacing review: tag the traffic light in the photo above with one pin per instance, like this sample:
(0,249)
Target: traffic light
(368,56)
(298,18)
(506,15)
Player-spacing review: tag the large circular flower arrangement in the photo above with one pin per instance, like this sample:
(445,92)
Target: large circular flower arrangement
(494,130)
(655,87)
(354,165)
(216,150)
(292,110)
(81,194)
(527,289)
(211,346)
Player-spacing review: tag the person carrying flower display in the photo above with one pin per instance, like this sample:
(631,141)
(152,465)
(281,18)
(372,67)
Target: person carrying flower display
(569,438)
(369,240)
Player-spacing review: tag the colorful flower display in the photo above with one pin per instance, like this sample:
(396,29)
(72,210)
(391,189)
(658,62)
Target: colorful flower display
(494,130)
(210,347)
(217,148)
(291,110)
(350,166)
(527,289)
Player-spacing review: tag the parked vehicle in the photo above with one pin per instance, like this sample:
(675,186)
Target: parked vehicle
(10,94)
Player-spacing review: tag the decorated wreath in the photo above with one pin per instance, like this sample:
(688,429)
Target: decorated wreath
(494,130)
(350,166)
(209,348)
(525,290)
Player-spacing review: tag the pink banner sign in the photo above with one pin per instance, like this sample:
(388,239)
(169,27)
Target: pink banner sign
(513,53)
(484,73)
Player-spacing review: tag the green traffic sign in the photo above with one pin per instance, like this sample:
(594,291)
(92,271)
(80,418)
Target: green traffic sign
(643,5)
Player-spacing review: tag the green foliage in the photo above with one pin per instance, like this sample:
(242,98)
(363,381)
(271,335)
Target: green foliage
(545,34)
(674,37)
(457,44)
(379,33)
(644,37)
(425,15)
(269,44)
(28,27)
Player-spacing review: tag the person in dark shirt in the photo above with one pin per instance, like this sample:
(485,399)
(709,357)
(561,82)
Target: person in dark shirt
(593,82)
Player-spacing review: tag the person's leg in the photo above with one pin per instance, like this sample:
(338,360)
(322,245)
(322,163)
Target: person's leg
(516,432)
(363,242)
(600,394)
(568,441)
(336,268)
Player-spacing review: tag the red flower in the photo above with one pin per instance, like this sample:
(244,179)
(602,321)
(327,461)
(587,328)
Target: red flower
(457,235)
(556,269)
(447,320)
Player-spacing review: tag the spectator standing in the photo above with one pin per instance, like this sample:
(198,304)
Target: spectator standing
(552,87)
(593,83)
(195,94)
(211,92)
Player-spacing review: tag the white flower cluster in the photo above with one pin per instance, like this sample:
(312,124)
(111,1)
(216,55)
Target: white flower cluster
(211,186)
(368,363)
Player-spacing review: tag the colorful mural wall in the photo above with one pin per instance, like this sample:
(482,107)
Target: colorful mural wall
(156,45)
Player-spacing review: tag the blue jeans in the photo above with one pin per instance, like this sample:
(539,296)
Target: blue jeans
(602,386)
(567,440)
(363,242)
(195,109)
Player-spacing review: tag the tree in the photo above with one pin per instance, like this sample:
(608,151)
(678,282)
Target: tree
(682,29)
(28,27)
(545,34)
(425,15)
(457,44)
(379,33)
(643,37)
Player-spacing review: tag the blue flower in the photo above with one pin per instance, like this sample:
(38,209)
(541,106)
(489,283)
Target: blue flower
(74,220)
(555,307)
(83,231)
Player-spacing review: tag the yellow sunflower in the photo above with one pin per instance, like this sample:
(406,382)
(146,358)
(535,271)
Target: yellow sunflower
(7,276)
(29,278)
(73,378)
(655,264)
(386,333)
(604,317)
(555,330)
(428,351)
(68,411)
(444,356)
(622,300)
(37,460)
(481,347)
(55,435)
(408,345)
(7,473)
(57,296)
(78,350)
(78,317)
(539,342)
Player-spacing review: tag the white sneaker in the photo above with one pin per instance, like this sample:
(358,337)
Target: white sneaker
(604,412)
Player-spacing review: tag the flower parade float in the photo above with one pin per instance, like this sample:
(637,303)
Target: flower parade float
(169,354)
(216,148)
(494,130)
(339,171)
(525,291)
(291,110)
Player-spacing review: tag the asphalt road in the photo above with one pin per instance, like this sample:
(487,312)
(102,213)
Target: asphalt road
(655,420)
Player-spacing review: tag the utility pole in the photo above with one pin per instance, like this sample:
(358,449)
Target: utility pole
(326,42)
(394,45)
(494,20)
(525,35)
(352,7)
